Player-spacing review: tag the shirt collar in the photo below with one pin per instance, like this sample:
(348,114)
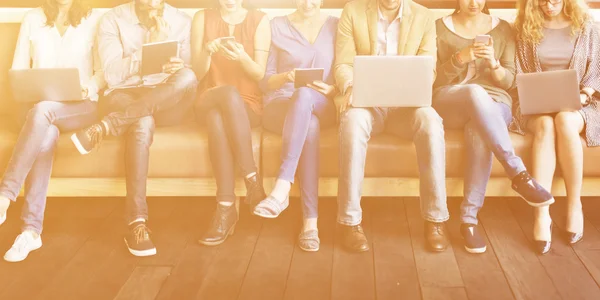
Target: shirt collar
(398,17)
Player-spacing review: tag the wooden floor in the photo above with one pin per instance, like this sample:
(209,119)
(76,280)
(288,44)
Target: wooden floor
(84,256)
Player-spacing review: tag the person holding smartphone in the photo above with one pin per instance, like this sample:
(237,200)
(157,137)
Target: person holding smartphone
(230,46)
(560,35)
(304,39)
(476,53)
(59,34)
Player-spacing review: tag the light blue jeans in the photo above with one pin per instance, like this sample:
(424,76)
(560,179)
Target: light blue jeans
(31,161)
(423,126)
(485,122)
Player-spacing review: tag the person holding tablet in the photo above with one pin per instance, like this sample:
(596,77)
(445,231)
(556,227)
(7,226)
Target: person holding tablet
(230,46)
(558,35)
(305,40)
(132,105)
(475,69)
(59,34)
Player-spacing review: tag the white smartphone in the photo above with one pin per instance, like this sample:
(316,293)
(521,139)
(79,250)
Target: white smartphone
(226,40)
(483,39)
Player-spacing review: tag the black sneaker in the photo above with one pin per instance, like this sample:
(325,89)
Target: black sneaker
(138,240)
(531,191)
(474,242)
(89,138)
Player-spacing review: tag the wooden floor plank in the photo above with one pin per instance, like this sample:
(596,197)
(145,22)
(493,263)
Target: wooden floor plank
(225,275)
(268,269)
(435,269)
(310,272)
(144,283)
(353,273)
(481,273)
(525,274)
(444,293)
(395,269)
(570,277)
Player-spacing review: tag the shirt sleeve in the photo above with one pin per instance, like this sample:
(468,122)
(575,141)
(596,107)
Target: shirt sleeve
(116,67)
(22,56)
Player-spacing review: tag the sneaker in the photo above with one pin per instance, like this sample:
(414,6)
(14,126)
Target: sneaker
(24,244)
(138,240)
(474,242)
(89,138)
(2,218)
(531,191)
(5,203)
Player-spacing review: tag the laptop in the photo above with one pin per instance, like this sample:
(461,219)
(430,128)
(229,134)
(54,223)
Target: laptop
(548,92)
(392,81)
(41,84)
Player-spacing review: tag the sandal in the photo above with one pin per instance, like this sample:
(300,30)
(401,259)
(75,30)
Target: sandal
(270,207)
(309,240)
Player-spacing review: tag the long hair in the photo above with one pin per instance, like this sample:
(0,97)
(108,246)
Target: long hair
(79,10)
(530,19)
(485,9)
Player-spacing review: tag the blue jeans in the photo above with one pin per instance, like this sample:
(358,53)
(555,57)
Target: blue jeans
(299,120)
(31,161)
(421,125)
(484,121)
(135,113)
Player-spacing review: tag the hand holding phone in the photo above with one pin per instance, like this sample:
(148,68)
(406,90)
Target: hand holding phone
(483,39)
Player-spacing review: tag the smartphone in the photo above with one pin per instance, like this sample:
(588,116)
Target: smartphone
(226,40)
(483,39)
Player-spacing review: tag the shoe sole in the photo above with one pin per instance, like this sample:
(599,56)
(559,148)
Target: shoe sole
(570,243)
(546,203)
(23,258)
(142,253)
(230,233)
(308,249)
(476,250)
(78,145)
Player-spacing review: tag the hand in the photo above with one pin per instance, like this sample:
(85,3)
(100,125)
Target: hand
(583,98)
(213,46)
(467,54)
(160,31)
(323,88)
(84,92)
(175,64)
(233,51)
(290,76)
(486,52)
(347,102)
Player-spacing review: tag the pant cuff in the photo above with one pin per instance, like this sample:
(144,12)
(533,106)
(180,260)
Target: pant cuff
(436,220)
(3,193)
(132,219)
(31,228)
(348,223)
(469,219)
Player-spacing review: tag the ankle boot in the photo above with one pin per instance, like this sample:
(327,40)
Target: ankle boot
(255,191)
(222,226)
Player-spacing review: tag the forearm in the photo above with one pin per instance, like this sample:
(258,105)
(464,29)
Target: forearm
(277,81)
(502,77)
(254,70)
(201,64)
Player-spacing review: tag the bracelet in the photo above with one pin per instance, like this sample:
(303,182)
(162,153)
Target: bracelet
(458,59)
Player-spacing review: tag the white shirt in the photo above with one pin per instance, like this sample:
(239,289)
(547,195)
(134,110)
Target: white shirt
(388,34)
(42,46)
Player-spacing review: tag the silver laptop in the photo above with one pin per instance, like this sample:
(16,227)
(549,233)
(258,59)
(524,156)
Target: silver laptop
(40,84)
(548,92)
(392,81)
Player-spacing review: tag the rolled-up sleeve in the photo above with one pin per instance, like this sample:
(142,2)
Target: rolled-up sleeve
(116,68)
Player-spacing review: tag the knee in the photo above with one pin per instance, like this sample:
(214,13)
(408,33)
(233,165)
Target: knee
(355,122)
(229,97)
(476,96)
(185,79)
(50,139)
(41,112)
(543,128)
(567,122)
(143,130)
(429,122)
(305,97)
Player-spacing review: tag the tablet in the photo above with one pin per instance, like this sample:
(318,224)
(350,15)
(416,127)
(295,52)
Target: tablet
(155,55)
(305,76)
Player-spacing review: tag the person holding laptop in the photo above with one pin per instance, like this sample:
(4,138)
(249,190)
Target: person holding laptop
(559,35)
(387,28)
(230,47)
(132,106)
(304,39)
(59,34)
(475,69)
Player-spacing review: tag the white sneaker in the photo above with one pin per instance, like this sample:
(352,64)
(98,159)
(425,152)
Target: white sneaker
(2,219)
(24,244)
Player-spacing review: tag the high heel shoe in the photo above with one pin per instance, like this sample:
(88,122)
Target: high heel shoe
(543,247)
(222,225)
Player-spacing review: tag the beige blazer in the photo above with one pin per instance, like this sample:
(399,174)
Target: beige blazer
(357,35)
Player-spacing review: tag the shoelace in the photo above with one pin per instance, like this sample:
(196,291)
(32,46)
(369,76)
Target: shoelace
(94,133)
(141,233)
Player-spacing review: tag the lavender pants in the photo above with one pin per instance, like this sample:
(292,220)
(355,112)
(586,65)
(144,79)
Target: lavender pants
(299,120)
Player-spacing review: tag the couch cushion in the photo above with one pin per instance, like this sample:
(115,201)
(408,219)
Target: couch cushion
(8,34)
(389,156)
(177,152)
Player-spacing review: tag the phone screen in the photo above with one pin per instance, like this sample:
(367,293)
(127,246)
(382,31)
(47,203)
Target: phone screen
(483,39)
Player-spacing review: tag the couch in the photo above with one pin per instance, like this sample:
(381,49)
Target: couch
(179,162)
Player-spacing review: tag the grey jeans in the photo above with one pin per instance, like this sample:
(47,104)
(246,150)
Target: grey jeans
(484,121)
(31,161)
(423,126)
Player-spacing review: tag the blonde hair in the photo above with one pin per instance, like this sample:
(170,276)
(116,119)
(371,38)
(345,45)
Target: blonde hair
(530,18)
